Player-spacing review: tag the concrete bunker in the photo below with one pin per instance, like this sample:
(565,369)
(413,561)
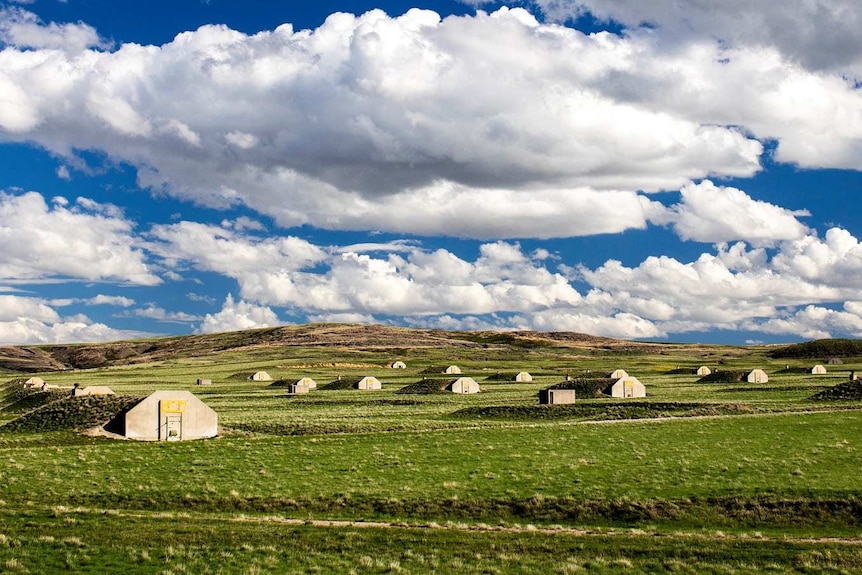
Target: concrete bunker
(168,415)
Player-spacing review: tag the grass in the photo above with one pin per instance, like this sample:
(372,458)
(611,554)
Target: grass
(488,483)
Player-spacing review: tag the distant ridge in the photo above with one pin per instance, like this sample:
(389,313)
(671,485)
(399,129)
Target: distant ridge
(46,358)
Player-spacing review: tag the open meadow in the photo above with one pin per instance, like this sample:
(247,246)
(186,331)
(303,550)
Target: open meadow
(695,478)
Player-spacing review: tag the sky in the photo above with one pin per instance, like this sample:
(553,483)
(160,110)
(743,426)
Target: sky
(670,170)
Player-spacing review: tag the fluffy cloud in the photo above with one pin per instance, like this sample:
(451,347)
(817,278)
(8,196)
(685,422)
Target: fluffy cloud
(814,322)
(718,214)
(238,315)
(736,287)
(796,27)
(26,320)
(157,313)
(42,241)
(406,124)
(22,28)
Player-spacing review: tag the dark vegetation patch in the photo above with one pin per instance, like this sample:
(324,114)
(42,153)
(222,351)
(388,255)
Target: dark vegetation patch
(723,377)
(343,383)
(682,371)
(281,382)
(73,413)
(503,376)
(241,375)
(735,511)
(848,391)
(821,348)
(605,411)
(773,388)
(586,386)
(434,370)
(425,387)
(795,370)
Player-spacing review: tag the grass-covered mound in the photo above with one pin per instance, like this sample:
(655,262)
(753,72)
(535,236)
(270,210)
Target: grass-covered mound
(435,370)
(16,398)
(242,375)
(281,382)
(795,370)
(503,376)
(343,383)
(723,377)
(821,348)
(605,411)
(847,391)
(682,371)
(425,387)
(73,413)
(586,387)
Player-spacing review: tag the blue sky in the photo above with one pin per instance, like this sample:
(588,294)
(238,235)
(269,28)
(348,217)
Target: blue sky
(665,171)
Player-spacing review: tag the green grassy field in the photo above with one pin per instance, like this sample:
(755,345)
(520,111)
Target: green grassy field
(696,478)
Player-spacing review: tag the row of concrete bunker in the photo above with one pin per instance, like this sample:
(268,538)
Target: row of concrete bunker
(618,384)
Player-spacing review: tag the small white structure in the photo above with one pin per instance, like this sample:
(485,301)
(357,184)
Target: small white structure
(703,370)
(618,374)
(307,382)
(170,415)
(556,396)
(452,370)
(818,370)
(205,382)
(34,382)
(297,388)
(523,377)
(398,365)
(369,383)
(757,376)
(260,376)
(92,390)
(465,385)
(627,387)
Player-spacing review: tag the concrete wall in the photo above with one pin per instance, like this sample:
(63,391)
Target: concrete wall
(92,390)
(297,388)
(524,377)
(205,382)
(628,387)
(307,382)
(618,374)
(146,421)
(464,385)
(556,396)
(261,376)
(369,383)
(452,370)
(703,370)
(818,370)
(757,376)
(398,365)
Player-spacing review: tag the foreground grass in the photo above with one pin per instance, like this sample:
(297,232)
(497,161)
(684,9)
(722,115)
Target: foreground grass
(521,473)
(82,541)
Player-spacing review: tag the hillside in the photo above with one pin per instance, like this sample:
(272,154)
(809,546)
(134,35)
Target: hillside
(820,349)
(46,358)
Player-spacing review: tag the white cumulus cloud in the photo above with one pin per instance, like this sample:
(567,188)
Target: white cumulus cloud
(42,241)
(238,315)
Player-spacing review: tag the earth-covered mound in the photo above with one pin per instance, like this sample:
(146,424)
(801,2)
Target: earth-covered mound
(723,377)
(586,387)
(425,387)
(73,413)
(821,348)
(847,391)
